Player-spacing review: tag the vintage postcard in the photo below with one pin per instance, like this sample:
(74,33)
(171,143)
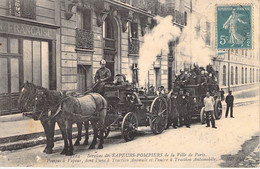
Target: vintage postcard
(129,83)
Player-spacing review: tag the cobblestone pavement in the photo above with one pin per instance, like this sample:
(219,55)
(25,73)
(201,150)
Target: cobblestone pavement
(252,160)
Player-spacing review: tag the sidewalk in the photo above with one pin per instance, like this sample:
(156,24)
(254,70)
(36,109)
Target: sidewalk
(18,131)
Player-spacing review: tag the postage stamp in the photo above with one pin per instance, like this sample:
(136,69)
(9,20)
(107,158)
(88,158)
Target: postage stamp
(234,27)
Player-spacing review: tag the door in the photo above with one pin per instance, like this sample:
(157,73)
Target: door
(83,78)
(10,73)
(9,84)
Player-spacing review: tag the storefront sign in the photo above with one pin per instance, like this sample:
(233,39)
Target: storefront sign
(26,30)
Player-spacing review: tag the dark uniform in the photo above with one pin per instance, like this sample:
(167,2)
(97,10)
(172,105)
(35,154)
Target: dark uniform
(102,75)
(173,115)
(229,100)
(187,116)
(182,107)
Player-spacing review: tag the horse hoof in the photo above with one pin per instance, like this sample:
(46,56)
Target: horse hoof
(69,153)
(85,143)
(91,147)
(63,151)
(77,143)
(100,146)
(45,150)
(49,151)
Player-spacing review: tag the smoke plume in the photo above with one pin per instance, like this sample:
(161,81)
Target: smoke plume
(156,43)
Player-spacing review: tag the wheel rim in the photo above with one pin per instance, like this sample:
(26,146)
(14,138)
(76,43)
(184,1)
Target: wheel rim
(159,115)
(129,126)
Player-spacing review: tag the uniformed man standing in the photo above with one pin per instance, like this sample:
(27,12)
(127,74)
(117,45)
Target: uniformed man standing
(190,104)
(182,106)
(209,110)
(173,115)
(229,100)
(103,75)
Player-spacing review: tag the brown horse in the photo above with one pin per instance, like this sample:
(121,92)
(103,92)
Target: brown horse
(26,102)
(91,107)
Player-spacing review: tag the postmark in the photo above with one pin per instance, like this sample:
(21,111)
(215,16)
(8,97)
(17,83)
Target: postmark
(234,27)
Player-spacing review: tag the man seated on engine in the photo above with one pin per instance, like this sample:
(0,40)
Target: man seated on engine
(103,75)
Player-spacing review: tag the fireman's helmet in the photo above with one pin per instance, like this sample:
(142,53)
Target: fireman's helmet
(103,62)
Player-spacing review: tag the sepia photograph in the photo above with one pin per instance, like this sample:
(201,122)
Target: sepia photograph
(130,83)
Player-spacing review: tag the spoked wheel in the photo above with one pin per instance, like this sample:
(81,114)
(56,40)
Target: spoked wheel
(105,133)
(218,109)
(202,116)
(158,115)
(129,126)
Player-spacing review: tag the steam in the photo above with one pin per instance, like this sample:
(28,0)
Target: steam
(191,49)
(192,43)
(156,43)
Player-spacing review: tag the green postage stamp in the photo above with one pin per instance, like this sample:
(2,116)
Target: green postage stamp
(234,27)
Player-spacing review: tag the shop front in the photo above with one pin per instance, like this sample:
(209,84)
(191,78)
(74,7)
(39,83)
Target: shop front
(27,53)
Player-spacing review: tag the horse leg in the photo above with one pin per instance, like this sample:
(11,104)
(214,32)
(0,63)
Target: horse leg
(51,139)
(101,139)
(86,125)
(64,135)
(94,141)
(79,126)
(46,128)
(69,133)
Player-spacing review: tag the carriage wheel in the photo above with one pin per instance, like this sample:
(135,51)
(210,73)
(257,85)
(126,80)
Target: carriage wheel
(202,116)
(218,109)
(129,126)
(105,133)
(158,115)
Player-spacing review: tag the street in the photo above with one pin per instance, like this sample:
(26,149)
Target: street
(197,146)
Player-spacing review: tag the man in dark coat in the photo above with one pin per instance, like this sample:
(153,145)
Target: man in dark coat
(173,115)
(102,75)
(229,100)
(182,106)
(190,104)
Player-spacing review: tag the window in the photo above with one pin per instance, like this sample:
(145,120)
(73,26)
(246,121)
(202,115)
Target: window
(242,51)
(224,76)
(185,18)
(245,75)
(242,75)
(253,80)
(236,76)
(86,19)
(236,51)
(250,75)
(108,29)
(208,33)
(134,30)
(23,8)
(245,52)
(232,75)
(36,62)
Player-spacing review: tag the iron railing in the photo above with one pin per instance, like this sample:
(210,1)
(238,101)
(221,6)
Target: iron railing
(84,39)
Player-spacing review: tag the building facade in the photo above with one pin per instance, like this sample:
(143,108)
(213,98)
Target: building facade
(58,44)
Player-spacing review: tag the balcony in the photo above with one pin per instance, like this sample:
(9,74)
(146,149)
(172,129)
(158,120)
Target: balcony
(84,39)
(133,47)
(22,8)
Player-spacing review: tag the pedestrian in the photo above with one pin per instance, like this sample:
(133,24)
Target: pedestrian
(222,94)
(173,115)
(190,104)
(209,109)
(182,106)
(103,75)
(229,100)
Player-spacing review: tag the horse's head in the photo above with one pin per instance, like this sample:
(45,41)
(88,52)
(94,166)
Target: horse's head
(40,108)
(27,94)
